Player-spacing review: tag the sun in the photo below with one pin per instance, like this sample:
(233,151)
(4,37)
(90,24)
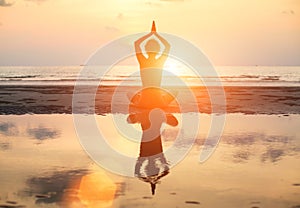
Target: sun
(177,68)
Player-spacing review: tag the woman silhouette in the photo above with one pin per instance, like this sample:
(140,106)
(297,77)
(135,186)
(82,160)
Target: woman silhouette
(151,67)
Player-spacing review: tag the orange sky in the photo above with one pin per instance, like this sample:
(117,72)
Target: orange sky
(230,32)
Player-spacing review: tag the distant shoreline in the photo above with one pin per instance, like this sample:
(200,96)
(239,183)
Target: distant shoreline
(34,99)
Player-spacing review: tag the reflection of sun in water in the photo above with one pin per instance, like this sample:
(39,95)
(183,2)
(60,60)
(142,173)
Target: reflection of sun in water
(92,190)
(174,66)
(178,74)
(97,190)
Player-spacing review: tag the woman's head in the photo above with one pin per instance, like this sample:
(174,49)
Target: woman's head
(152,46)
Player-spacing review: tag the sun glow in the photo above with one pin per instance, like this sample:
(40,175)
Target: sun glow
(177,68)
(92,191)
(179,74)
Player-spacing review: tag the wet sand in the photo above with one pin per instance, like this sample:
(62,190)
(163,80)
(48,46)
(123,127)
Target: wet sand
(58,99)
(255,165)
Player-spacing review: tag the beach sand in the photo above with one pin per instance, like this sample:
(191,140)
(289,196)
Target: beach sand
(58,99)
(255,165)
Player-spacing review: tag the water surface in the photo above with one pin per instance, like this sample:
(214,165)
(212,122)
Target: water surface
(256,164)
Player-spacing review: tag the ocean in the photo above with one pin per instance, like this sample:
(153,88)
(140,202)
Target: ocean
(228,75)
(248,90)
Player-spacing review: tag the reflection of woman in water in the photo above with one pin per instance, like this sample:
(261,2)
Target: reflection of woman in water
(151,66)
(151,164)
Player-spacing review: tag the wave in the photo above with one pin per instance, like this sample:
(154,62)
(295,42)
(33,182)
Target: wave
(111,78)
(18,77)
(126,78)
(69,76)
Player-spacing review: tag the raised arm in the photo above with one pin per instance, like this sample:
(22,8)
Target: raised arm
(137,45)
(166,44)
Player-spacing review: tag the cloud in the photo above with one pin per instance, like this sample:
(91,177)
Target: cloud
(273,155)
(276,147)
(42,133)
(173,0)
(120,16)
(5,146)
(288,12)
(3,3)
(112,29)
(37,1)
(159,3)
(149,3)
(8,129)
(49,189)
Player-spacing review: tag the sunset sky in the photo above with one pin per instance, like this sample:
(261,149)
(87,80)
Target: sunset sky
(230,32)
